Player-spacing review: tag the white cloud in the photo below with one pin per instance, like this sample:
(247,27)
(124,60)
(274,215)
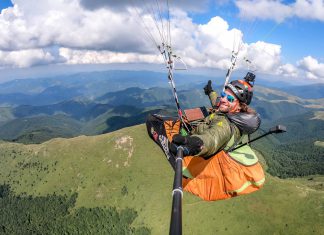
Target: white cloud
(65,23)
(109,35)
(312,68)
(288,70)
(264,56)
(105,57)
(309,9)
(26,58)
(279,11)
(263,9)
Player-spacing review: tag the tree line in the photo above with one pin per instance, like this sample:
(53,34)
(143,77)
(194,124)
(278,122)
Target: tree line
(56,214)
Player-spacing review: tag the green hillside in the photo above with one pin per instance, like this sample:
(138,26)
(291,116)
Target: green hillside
(39,129)
(125,169)
(319,143)
(298,151)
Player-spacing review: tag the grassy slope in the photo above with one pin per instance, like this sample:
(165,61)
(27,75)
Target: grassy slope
(319,143)
(319,115)
(99,167)
(275,96)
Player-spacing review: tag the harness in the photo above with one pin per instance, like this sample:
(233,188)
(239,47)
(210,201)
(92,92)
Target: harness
(243,155)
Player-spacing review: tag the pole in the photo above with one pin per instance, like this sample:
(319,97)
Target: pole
(259,137)
(274,130)
(176,213)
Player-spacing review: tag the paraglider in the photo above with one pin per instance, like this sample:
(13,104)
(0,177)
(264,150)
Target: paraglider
(205,147)
(213,170)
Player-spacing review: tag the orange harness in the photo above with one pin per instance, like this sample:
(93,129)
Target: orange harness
(218,177)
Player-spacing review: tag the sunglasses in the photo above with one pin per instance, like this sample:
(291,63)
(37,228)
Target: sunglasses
(230,98)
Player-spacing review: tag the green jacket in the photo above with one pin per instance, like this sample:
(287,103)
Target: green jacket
(216,131)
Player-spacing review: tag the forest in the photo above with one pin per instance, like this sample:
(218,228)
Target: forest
(56,214)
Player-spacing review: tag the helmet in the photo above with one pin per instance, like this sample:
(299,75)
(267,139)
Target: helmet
(243,90)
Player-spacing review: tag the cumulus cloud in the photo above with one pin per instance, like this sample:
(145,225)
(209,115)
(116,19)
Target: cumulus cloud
(288,70)
(76,32)
(206,45)
(104,35)
(100,57)
(309,9)
(265,56)
(27,58)
(41,24)
(313,68)
(263,9)
(277,10)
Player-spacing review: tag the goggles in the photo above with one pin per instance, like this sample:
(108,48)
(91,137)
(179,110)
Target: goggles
(230,98)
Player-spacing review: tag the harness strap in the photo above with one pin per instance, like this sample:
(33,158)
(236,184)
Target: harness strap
(235,144)
(232,143)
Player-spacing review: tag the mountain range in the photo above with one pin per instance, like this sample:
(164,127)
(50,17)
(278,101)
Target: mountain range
(106,112)
(76,158)
(111,107)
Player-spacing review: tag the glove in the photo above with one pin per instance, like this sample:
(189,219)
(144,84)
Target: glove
(191,144)
(208,88)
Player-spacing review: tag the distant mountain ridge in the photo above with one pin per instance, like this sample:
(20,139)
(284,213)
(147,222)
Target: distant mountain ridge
(51,90)
(39,129)
(134,102)
(314,91)
(97,82)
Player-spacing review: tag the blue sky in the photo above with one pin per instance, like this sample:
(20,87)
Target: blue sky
(283,39)
(5,4)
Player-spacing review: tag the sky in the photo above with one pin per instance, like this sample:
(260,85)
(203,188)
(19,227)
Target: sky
(279,40)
